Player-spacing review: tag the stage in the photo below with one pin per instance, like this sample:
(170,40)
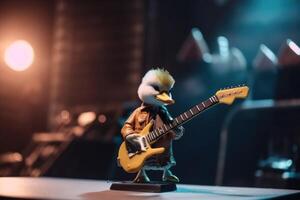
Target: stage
(73,189)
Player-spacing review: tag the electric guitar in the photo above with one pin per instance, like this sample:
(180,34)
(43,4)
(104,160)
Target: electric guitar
(134,163)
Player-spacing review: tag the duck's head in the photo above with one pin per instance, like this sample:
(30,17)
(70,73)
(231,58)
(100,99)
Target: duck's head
(155,88)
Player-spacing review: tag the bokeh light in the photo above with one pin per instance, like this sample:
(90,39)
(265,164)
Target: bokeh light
(86,118)
(102,119)
(19,55)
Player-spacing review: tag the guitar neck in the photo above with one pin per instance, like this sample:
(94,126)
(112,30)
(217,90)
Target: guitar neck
(154,135)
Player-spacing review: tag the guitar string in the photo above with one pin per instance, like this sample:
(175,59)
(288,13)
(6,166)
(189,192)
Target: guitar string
(153,135)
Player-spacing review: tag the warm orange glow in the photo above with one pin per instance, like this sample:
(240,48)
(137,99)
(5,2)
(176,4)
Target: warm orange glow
(19,55)
(86,118)
(102,119)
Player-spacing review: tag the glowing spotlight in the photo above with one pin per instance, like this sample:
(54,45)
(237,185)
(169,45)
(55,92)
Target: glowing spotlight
(294,47)
(86,118)
(19,55)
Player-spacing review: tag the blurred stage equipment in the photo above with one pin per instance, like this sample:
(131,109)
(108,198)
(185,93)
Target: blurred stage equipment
(19,55)
(280,167)
(227,59)
(9,163)
(265,59)
(226,66)
(257,132)
(267,148)
(194,48)
(264,74)
(289,53)
(82,146)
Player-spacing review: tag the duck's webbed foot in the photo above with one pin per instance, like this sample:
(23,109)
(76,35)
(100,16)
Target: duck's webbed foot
(168,176)
(141,177)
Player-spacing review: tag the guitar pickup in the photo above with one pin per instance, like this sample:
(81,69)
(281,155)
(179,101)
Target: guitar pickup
(144,142)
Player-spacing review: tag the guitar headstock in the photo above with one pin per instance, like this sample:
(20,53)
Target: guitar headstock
(227,96)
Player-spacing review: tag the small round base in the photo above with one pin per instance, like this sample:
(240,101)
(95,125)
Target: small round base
(155,187)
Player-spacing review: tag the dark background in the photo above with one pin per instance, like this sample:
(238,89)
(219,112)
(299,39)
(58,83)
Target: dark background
(92,54)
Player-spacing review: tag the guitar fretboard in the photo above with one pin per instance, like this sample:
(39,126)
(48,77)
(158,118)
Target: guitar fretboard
(181,119)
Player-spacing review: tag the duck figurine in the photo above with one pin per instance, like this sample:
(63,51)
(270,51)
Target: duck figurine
(154,92)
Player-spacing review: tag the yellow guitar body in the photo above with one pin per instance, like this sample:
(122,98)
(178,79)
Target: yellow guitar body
(135,163)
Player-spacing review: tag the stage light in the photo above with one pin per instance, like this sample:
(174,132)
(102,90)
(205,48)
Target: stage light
(294,47)
(19,55)
(102,119)
(265,59)
(223,47)
(86,118)
(289,53)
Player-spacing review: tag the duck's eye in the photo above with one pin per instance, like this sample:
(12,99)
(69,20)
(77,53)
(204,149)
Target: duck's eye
(155,87)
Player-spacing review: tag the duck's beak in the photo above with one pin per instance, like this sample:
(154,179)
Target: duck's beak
(165,98)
